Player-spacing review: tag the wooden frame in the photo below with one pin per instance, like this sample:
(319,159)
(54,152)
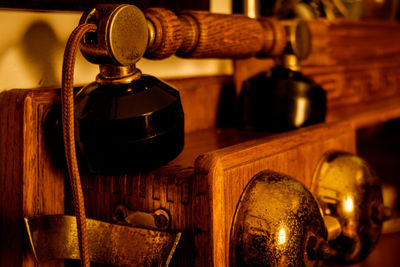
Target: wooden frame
(200,195)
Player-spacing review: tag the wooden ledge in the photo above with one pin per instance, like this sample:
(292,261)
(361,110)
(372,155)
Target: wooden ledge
(366,114)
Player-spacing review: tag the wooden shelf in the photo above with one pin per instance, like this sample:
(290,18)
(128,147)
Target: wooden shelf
(367,114)
(359,115)
(200,142)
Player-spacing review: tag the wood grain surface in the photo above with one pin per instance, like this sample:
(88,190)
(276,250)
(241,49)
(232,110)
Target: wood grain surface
(33,175)
(367,114)
(364,94)
(28,186)
(169,33)
(336,42)
(201,34)
(207,101)
(200,188)
(33,171)
(356,63)
(344,55)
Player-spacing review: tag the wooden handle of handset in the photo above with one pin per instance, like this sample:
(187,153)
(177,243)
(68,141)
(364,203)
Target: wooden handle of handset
(200,34)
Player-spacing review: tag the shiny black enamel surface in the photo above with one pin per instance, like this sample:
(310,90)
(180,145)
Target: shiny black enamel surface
(129,128)
(281,100)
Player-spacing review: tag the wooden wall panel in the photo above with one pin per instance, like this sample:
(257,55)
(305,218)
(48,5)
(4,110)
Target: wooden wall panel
(11,194)
(346,84)
(206,101)
(28,187)
(33,174)
(341,41)
(356,63)
(201,201)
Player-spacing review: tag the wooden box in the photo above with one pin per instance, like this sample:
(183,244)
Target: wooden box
(200,189)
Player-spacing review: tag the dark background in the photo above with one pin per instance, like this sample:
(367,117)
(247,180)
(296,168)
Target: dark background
(87,4)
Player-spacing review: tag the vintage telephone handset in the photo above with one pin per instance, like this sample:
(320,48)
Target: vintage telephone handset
(125,121)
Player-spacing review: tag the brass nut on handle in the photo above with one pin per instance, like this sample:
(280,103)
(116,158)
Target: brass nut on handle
(157,220)
(333,227)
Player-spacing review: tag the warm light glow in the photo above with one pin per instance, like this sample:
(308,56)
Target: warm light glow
(301,105)
(348,204)
(251,8)
(282,236)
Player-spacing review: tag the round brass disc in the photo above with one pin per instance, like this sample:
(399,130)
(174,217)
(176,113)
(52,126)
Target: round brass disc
(299,37)
(348,189)
(127,34)
(277,223)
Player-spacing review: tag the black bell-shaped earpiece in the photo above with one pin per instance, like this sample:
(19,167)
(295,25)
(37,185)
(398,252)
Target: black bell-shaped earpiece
(283,98)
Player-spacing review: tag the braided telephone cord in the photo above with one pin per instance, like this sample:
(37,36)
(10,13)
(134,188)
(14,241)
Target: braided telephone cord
(67,100)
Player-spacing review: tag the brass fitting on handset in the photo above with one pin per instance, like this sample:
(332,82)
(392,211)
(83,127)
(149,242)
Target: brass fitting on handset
(122,35)
(120,41)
